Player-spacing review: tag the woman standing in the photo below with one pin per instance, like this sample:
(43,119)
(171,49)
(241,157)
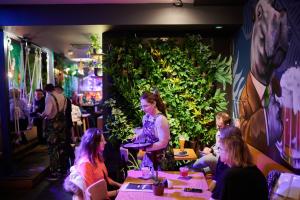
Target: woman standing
(155,128)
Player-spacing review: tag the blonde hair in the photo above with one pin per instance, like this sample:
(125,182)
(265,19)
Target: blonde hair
(238,153)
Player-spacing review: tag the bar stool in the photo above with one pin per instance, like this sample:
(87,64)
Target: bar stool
(85,121)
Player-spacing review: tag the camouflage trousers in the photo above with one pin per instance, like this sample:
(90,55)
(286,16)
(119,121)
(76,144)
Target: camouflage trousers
(56,141)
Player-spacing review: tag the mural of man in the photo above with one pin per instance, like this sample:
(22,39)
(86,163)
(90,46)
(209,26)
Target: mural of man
(259,112)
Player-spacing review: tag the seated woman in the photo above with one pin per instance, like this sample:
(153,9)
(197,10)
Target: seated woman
(155,128)
(19,115)
(242,180)
(90,164)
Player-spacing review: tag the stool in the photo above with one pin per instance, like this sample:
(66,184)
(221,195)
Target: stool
(85,121)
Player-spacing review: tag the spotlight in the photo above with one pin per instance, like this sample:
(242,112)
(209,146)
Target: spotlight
(178,3)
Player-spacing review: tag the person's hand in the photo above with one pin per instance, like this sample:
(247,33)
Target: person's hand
(138,130)
(206,150)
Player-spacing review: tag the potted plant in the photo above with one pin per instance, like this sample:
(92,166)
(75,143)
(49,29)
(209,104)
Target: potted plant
(158,186)
(95,47)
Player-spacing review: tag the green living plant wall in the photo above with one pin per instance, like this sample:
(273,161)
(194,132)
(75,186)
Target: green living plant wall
(186,72)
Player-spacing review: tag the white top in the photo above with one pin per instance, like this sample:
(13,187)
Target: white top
(76,114)
(50,105)
(162,132)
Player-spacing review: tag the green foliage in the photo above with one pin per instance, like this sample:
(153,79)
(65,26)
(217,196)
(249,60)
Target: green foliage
(95,44)
(186,73)
(117,124)
(133,163)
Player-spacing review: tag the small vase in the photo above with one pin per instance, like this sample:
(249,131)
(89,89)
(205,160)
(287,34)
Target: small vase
(158,190)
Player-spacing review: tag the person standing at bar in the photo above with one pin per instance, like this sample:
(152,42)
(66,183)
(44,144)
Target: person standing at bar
(54,114)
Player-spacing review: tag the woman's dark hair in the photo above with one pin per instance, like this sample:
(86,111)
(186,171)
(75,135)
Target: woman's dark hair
(89,145)
(152,97)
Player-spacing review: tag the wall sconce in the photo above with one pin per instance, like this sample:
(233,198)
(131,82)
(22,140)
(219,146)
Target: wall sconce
(178,3)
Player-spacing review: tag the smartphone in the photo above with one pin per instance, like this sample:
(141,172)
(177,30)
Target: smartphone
(192,190)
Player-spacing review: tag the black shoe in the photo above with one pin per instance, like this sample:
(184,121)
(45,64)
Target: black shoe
(53,177)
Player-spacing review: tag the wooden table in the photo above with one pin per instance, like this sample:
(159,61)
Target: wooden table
(196,180)
(191,155)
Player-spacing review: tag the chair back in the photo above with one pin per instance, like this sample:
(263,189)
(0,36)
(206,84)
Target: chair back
(97,191)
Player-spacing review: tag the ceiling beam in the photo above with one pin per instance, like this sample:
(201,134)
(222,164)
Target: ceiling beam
(116,14)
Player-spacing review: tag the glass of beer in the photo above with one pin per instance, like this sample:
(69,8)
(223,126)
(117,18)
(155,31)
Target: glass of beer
(181,143)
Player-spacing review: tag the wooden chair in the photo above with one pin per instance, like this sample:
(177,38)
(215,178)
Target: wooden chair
(97,191)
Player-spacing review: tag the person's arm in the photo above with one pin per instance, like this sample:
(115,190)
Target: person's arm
(212,185)
(163,133)
(138,130)
(113,183)
(48,107)
(113,193)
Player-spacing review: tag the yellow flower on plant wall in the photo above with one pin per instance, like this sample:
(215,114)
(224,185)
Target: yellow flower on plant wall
(168,69)
(175,80)
(191,105)
(196,112)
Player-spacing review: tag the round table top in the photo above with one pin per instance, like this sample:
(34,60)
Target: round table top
(136,145)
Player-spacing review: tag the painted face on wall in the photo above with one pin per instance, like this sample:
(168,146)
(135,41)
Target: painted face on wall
(269,40)
(147,107)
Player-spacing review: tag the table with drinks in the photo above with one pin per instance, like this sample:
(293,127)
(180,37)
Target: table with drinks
(194,182)
(186,154)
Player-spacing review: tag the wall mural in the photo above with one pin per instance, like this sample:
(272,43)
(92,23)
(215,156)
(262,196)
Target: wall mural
(266,88)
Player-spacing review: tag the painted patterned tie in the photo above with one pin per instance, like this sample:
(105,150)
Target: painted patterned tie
(266,97)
